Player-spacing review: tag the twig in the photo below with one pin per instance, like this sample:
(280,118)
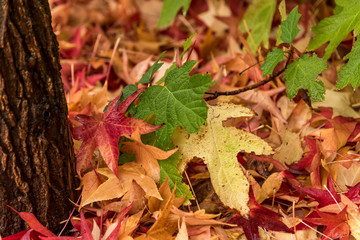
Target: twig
(240,73)
(251,87)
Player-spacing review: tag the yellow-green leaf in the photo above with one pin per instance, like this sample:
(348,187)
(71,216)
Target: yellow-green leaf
(218,147)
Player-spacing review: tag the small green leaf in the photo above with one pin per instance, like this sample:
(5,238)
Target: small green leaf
(282,11)
(272,59)
(258,18)
(168,169)
(178,103)
(335,28)
(170,9)
(303,73)
(125,158)
(289,28)
(350,72)
(146,78)
(187,44)
(127,91)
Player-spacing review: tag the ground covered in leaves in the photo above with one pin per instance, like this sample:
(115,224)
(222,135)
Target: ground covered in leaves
(159,159)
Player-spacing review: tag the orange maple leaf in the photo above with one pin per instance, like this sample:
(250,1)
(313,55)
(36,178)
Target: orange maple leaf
(146,155)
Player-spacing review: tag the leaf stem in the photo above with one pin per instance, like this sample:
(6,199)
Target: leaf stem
(251,87)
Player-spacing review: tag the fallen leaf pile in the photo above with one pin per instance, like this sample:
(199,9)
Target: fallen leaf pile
(157,161)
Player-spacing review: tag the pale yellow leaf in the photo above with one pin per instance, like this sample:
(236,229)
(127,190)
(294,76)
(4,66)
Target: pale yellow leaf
(218,147)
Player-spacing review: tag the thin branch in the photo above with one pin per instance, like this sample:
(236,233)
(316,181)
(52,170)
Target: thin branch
(251,87)
(240,73)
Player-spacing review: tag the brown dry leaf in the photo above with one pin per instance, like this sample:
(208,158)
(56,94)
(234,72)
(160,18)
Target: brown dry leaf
(264,101)
(74,96)
(183,234)
(89,184)
(216,9)
(308,234)
(348,176)
(290,150)
(97,98)
(340,102)
(115,187)
(353,215)
(300,117)
(125,231)
(140,68)
(136,196)
(199,233)
(334,138)
(155,204)
(146,155)
(133,221)
(209,44)
(150,12)
(162,228)
(270,187)
(198,218)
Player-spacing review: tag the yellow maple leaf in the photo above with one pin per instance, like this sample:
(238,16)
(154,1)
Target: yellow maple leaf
(218,147)
(146,155)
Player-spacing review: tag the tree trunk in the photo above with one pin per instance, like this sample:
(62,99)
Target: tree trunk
(37,166)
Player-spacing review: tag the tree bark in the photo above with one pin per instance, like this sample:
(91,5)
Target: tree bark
(37,166)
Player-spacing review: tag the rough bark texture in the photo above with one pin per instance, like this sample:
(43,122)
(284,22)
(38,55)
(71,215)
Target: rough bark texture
(36,153)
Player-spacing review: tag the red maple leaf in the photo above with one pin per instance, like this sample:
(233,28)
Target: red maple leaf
(103,132)
(336,224)
(258,216)
(323,197)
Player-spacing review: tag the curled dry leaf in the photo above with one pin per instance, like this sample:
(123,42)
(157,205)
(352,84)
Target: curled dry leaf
(115,187)
(218,147)
(156,204)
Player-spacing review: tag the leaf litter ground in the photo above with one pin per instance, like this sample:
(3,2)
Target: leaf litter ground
(308,189)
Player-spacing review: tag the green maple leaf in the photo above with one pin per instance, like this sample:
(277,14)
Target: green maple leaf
(258,18)
(335,28)
(272,59)
(303,73)
(170,9)
(289,28)
(350,72)
(178,103)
